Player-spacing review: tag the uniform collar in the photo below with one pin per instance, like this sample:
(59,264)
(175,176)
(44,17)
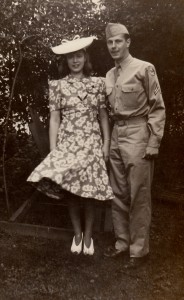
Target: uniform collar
(112,76)
(125,62)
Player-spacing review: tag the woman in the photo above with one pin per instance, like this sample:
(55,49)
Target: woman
(76,162)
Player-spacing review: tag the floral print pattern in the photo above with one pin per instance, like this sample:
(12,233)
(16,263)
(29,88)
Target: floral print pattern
(76,164)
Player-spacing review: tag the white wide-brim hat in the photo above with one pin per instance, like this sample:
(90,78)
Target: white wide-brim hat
(72,46)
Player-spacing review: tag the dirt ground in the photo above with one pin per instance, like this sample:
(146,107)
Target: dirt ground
(41,269)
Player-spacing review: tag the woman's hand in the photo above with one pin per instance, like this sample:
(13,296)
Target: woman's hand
(52,148)
(105,150)
(104,122)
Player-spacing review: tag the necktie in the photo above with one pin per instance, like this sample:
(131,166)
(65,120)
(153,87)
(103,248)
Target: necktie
(118,72)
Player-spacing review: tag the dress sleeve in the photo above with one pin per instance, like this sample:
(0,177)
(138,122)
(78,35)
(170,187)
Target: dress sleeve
(54,95)
(101,94)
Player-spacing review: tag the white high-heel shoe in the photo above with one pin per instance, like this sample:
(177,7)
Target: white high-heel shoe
(76,248)
(90,250)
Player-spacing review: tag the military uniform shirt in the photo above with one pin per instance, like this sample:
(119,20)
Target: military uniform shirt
(133,91)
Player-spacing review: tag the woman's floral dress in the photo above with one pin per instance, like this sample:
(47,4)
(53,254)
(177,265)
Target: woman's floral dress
(76,164)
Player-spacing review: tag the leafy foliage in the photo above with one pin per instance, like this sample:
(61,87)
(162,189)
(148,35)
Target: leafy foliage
(156,28)
(36,25)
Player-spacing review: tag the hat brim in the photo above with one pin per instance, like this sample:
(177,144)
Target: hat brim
(73,46)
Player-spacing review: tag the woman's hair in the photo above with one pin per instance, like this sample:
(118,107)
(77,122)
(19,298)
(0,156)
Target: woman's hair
(64,70)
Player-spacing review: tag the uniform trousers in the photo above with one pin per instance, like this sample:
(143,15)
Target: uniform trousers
(131,177)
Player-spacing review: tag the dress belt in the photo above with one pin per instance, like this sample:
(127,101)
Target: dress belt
(132,120)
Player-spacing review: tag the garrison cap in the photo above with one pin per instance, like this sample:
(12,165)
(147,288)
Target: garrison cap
(113,29)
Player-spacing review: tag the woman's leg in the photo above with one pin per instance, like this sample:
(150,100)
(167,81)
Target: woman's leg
(89,207)
(74,211)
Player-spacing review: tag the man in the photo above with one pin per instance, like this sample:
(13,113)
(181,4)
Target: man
(138,111)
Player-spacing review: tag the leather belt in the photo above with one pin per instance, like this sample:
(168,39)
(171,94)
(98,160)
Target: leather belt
(133,120)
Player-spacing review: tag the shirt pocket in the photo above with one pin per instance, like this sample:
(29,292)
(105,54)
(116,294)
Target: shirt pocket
(130,95)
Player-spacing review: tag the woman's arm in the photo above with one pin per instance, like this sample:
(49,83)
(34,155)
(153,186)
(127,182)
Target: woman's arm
(53,128)
(104,121)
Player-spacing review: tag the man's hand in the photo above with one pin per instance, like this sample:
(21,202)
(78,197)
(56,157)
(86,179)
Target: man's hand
(150,153)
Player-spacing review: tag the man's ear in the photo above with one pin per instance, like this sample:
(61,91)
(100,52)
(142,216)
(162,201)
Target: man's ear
(128,42)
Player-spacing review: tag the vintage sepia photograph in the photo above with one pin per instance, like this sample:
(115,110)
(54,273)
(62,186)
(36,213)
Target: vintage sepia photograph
(92,147)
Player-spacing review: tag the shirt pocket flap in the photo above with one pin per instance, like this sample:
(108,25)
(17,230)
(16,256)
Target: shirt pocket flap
(131,88)
(108,90)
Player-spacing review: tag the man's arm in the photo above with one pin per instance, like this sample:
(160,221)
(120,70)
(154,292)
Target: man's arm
(156,115)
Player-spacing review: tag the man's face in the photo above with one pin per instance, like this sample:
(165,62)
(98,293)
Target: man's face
(118,47)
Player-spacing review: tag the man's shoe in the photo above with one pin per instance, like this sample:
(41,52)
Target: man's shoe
(135,262)
(113,252)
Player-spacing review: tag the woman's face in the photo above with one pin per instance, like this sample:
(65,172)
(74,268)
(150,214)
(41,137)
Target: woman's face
(76,61)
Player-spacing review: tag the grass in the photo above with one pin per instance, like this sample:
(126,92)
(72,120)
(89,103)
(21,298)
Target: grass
(41,269)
